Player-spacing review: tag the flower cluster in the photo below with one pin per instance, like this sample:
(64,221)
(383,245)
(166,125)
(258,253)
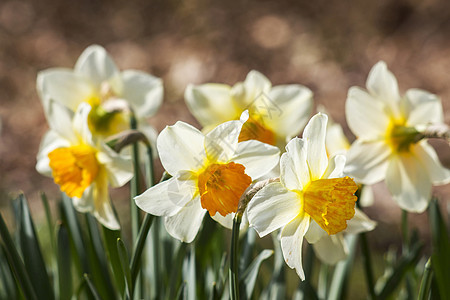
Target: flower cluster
(307,193)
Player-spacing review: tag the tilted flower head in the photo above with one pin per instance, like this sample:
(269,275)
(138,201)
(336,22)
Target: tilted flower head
(97,80)
(310,190)
(82,168)
(387,126)
(276,113)
(210,173)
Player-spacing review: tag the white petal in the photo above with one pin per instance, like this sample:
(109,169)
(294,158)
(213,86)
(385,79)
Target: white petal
(439,175)
(316,154)
(186,223)
(367,162)
(227,221)
(289,109)
(383,84)
(96,65)
(366,198)
(272,207)
(118,167)
(335,167)
(86,202)
(336,141)
(180,147)
(51,141)
(59,119)
(143,91)
(294,170)
(423,108)
(221,142)
(255,85)
(80,124)
(211,104)
(103,210)
(166,198)
(291,243)
(360,223)
(331,249)
(409,185)
(258,158)
(64,86)
(314,233)
(366,116)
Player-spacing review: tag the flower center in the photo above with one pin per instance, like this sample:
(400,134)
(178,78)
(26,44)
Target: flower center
(400,137)
(331,202)
(74,168)
(104,122)
(221,186)
(255,130)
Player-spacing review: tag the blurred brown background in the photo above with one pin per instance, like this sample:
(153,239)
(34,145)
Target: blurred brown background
(325,45)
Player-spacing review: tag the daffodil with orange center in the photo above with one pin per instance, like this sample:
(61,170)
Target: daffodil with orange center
(311,199)
(82,167)
(387,127)
(277,113)
(210,174)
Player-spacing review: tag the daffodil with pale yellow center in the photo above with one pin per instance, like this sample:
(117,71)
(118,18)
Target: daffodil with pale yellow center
(387,127)
(312,190)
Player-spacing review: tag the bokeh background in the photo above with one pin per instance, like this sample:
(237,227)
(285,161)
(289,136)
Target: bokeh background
(328,46)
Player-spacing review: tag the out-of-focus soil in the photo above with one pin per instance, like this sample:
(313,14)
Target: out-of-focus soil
(328,46)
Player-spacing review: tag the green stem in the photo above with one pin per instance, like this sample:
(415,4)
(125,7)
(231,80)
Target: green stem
(134,186)
(139,247)
(367,265)
(234,276)
(405,232)
(426,281)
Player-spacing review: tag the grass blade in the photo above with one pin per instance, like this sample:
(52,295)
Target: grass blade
(440,259)
(16,262)
(124,262)
(110,240)
(248,279)
(64,263)
(31,251)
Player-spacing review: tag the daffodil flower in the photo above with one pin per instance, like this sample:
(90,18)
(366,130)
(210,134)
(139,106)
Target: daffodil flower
(276,114)
(310,191)
(97,81)
(387,126)
(82,168)
(210,173)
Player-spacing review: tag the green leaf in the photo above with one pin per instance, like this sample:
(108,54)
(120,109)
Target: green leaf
(70,219)
(110,240)
(64,263)
(426,281)
(32,255)
(91,287)
(342,271)
(124,262)
(405,262)
(16,262)
(440,259)
(248,278)
(276,289)
(98,261)
(140,243)
(7,283)
(48,217)
(189,275)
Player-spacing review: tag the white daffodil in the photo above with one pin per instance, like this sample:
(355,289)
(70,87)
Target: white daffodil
(337,143)
(97,80)
(82,168)
(387,126)
(310,190)
(210,173)
(276,113)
